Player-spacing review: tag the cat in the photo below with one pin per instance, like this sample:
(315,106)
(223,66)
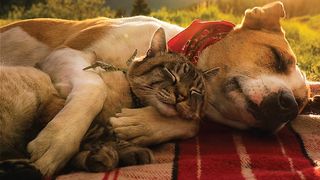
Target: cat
(164,80)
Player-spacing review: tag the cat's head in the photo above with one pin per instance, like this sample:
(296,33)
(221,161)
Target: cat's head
(169,82)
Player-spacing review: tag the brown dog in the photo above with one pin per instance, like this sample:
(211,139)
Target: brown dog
(259,84)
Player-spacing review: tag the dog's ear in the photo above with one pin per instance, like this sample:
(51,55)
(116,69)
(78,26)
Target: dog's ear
(158,43)
(266,17)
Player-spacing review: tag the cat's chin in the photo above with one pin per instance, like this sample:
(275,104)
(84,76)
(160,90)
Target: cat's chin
(166,109)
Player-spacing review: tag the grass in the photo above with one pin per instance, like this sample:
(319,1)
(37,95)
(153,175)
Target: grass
(303,33)
(6,21)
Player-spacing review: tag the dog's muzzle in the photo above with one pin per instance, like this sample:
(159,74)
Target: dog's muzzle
(275,110)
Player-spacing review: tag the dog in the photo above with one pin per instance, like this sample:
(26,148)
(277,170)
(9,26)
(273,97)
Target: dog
(259,84)
(259,87)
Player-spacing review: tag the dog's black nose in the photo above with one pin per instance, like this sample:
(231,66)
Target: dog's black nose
(275,110)
(280,106)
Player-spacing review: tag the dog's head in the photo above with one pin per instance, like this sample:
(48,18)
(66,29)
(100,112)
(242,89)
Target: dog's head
(259,84)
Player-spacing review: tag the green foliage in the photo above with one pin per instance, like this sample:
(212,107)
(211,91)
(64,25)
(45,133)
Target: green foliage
(7,5)
(293,7)
(303,35)
(120,13)
(66,9)
(184,17)
(140,7)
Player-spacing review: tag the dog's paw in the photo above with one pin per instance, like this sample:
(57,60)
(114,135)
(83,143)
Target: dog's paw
(146,126)
(52,149)
(105,159)
(135,155)
(18,169)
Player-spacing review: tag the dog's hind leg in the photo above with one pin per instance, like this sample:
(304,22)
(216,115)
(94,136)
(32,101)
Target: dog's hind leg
(85,93)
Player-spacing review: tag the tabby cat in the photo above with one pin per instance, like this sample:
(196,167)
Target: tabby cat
(166,81)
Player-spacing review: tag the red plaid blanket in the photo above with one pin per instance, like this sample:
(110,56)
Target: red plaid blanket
(219,152)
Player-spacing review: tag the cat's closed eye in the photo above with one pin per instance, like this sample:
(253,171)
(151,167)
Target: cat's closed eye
(170,74)
(195,92)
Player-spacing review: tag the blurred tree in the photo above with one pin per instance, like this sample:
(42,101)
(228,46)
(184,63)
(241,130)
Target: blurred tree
(8,5)
(121,13)
(140,7)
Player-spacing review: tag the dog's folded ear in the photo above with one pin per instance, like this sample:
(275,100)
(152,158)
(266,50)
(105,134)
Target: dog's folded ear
(266,17)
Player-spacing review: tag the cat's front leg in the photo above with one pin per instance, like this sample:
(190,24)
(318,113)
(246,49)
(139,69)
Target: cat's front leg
(146,126)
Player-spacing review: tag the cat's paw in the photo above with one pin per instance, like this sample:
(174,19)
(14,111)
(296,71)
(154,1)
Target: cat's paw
(19,169)
(105,159)
(135,155)
(48,150)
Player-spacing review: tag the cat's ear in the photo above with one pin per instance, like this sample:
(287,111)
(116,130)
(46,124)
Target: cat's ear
(210,73)
(158,43)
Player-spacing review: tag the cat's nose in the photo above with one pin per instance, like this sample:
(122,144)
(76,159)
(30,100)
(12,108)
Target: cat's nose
(180,98)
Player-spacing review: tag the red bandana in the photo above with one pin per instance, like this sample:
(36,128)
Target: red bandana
(199,35)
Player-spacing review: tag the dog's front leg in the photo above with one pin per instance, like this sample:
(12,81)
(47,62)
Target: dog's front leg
(146,126)
(85,93)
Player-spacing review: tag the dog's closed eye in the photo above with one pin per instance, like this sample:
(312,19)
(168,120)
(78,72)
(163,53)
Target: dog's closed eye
(280,65)
(281,62)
